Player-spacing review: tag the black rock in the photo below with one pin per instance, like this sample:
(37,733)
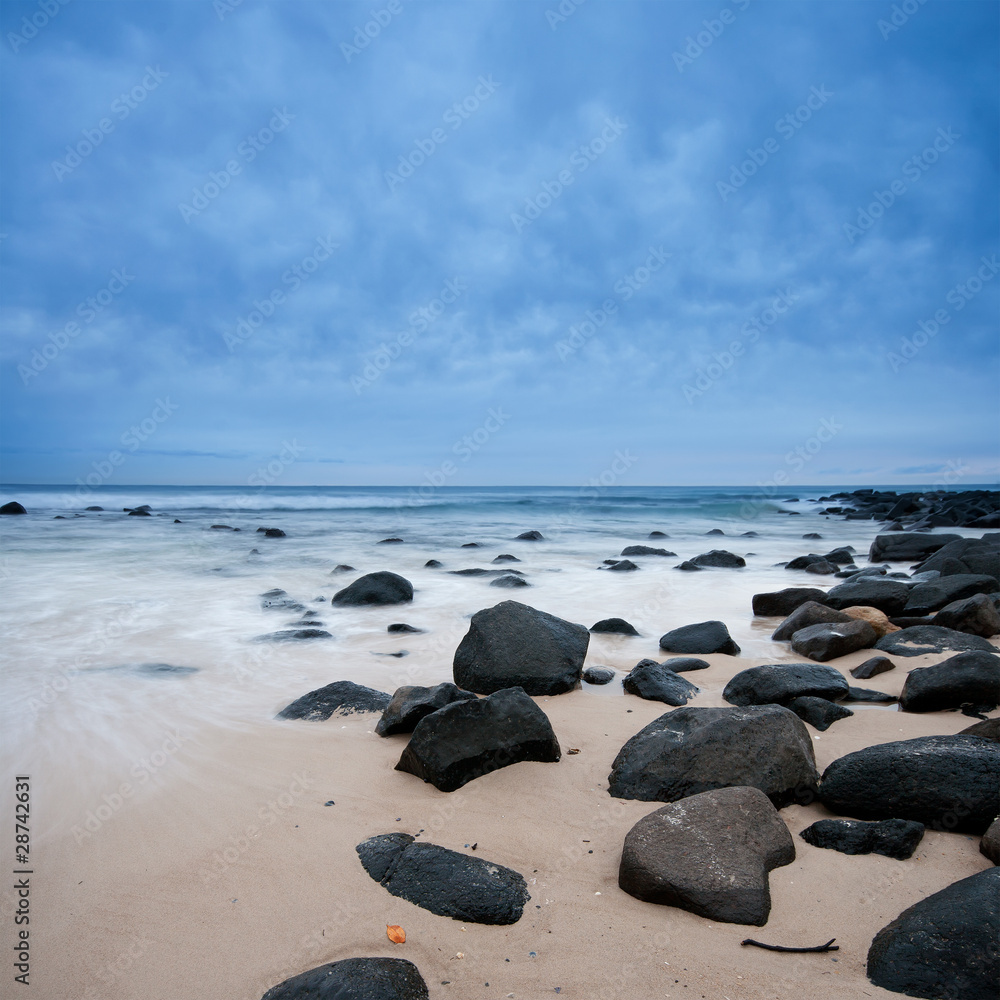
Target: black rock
(780,683)
(989,846)
(506,557)
(907,546)
(827,642)
(868,694)
(278,600)
(271,532)
(843,556)
(509,580)
(138,512)
(821,568)
(709,854)
(530,536)
(512,644)
(754,534)
(968,678)
(433,564)
(683,664)
(810,613)
(213,527)
(342,568)
(294,635)
(945,946)
(989,729)
(715,531)
(342,697)
(354,979)
(94,508)
(306,623)
(720,558)
(375,588)
(688,566)
(928,597)
(390,541)
(598,675)
(945,782)
(616,626)
(784,602)
(976,615)
(693,750)
(402,627)
(654,682)
(623,566)
(871,667)
(658,534)
(889,596)
(470,545)
(410,704)
(920,639)
(812,535)
(467,739)
(966,555)
(703,637)
(645,550)
(801,562)
(892,838)
(445,882)
(818,712)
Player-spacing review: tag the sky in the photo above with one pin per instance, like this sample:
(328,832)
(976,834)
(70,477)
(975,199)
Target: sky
(512,243)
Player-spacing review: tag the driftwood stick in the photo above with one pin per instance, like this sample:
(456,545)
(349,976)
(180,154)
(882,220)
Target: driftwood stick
(829,946)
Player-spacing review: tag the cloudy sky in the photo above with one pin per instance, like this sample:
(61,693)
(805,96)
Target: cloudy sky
(516,237)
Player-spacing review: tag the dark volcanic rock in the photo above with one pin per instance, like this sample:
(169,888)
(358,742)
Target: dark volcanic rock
(617,626)
(623,565)
(513,644)
(598,675)
(433,564)
(818,712)
(470,545)
(139,512)
(945,782)
(445,882)
(510,581)
(402,627)
(467,739)
(967,555)
(278,600)
(889,596)
(976,615)
(645,550)
(827,642)
(965,679)
(801,562)
(530,536)
(271,532)
(693,750)
(655,682)
(892,838)
(682,664)
(907,546)
(354,979)
(784,602)
(342,697)
(922,639)
(988,729)
(821,568)
(928,597)
(98,508)
(506,557)
(658,534)
(945,946)
(703,637)
(869,694)
(989,846)
(779,683)
(375,588)
(390,541)
(688,566)
(810,613)
(721,558)
(294,635)
(410,704)
(13,507)
(868,669)
(342,568)
(715,531)
(709,854)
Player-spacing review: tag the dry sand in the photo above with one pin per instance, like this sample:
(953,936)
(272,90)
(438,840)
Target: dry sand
(227,873)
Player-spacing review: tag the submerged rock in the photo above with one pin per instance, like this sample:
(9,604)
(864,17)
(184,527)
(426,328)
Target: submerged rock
(509,581)
(13,507)
(892,838)
(720,558)
(784,602)
(530,536)
(342,697)
(645,550)
(617,626)
(375,588)
(403,627)
(294,635)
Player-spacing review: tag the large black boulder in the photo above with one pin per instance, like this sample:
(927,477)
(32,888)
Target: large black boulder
(693,750)
(892,838)
(645,550)
(818,712)
(810,613)
(827,642)
(445,882)
(907,546)
(926,598)
(721,558)
(976,615)
(779,683)
(513,644)
(784,602)
(966,679)
(467,739)
(945,782)
(945,946)
(375,588)
(967,555)
(920,639)
(889,596)
(530,536)
(354,979)
(701,638)
(616,626)
(657,682)
(509,581)
(342,697)
(411,703)
(12,507)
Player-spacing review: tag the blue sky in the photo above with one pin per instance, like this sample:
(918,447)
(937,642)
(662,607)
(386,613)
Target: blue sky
(500,244)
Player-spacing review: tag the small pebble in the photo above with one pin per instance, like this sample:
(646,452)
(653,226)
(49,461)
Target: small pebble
(330,803)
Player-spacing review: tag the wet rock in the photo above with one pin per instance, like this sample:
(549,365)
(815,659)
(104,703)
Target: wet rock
(779,683)
(139,512)
(445,882)
(827,642)
(920,639)
(683,664)
(688,566)
(403,627)
(693,750)
(966,555)
(530,536)
(907,546)
(616,626)
(989,729)
(889,596)
(375,589)
(658,534)
(945,782)
(354,979)
(929,597)
(655,682)
(812,535)
(842,556)
(720,558)
(271,532)
(342,568)
(468,739)
(709,854)
(513,644)
(342,697)
(213,527)
(510,581)
(715,531)
(12,507)
(818,712)
(868,694)
(278,600)
(821,568)
(390,541)
(433,564)
(506,557)
(598,675)
(989,846)
(870,668)
(294,635)
(92,508)
(703,637)
(784,602)
(945,946)
(966,679)
(877,619)
(470,545)
(976,615)
(411,703)
(623,566)
(645,550)
(810,613)
(892,838)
